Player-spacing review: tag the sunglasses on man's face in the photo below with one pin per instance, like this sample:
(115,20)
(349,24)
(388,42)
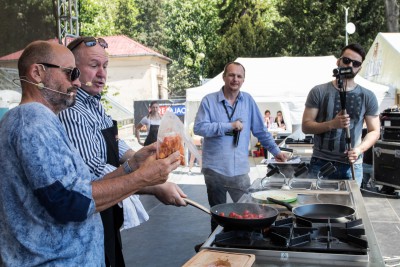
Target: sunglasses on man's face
(347,61)
(88,41)
(73,74)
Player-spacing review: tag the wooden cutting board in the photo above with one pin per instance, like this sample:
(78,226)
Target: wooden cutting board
(210,258)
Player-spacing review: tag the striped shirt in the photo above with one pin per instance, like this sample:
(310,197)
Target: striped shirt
(83,123)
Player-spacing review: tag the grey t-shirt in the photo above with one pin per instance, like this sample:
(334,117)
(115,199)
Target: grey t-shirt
(360,102)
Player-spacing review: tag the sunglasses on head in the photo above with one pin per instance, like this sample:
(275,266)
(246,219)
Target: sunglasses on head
(347,61)
(88,41)
(73,74)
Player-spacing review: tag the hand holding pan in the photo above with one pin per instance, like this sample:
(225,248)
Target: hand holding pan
(268,214)
(319,212)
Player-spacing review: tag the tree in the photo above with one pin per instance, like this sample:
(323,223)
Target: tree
(244,27)
(191,27)
(97,18)
(230,11)
(315,28)
(392,15)
(150,29)
(24,21)
(244,39)
(125,21)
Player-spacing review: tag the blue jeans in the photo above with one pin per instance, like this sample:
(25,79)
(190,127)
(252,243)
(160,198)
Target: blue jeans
(218,185)
(343,170)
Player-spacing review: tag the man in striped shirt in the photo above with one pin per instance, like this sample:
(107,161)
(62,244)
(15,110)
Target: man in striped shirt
(95,136)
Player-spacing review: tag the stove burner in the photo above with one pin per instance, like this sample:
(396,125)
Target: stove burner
(287,234)
(326,239)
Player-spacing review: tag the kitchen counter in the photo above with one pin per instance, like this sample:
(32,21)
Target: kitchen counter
(348,195)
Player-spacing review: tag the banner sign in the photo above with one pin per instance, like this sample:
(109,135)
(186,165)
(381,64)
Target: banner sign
(177,106)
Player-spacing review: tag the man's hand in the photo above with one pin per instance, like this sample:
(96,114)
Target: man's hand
(140,156)
(155,171)
(169,194)
(237,125)
(341,121)
(353,154)
(281,157)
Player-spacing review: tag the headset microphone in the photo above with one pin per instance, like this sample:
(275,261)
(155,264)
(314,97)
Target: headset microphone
(41,86)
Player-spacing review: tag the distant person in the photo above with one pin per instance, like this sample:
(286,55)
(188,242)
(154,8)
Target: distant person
(50,200)
(279,120)
(323,117)
(152,123)
(198,142)
(268,120)
(226,119)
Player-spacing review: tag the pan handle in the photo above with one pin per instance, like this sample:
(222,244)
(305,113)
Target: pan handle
(197,205)
(287,205)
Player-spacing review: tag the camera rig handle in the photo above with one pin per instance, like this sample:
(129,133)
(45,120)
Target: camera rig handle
(342,94)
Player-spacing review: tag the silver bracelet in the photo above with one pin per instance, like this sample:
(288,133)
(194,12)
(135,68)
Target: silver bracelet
(127,168)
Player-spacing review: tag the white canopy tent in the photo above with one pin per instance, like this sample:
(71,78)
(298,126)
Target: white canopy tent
(279,83)
(380,65)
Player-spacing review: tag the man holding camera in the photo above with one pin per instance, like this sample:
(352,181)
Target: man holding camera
(226,119)
(337,130)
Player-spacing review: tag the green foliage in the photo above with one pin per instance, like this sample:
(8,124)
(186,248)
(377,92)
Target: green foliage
(248,37)
(25,21)
(192,29)
(150,29)
(125,21)
(245,29)
(104,100)
(97,17)
(313,28)
(231,11)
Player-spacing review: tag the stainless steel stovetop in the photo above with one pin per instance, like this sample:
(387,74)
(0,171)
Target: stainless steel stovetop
(347,194)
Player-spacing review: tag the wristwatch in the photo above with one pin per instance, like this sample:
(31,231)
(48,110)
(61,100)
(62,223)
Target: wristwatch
(127,168)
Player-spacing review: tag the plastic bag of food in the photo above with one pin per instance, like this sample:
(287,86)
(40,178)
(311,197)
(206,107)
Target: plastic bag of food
(172,137)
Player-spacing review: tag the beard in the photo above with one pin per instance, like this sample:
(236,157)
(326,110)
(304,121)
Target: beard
(351,75)
(59,101)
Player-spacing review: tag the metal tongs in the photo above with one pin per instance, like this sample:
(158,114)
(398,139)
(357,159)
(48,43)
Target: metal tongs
(302,168)
(274,169)
(325,171)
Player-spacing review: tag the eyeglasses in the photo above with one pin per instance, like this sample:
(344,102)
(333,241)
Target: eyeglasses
(72,73)
(89,42)
(347,61)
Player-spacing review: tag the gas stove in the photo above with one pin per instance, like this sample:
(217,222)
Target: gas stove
(293,241)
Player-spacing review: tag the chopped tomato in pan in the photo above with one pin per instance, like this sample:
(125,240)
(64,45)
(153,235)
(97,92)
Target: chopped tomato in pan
(245,215)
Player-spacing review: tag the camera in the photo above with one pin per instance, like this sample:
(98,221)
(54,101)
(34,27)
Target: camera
(236,136)
(343,72)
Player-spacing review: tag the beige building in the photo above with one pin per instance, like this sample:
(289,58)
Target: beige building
(135,72)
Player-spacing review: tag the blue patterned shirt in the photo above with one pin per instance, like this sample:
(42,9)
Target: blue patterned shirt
(47,213)
(84,122)
(212,122)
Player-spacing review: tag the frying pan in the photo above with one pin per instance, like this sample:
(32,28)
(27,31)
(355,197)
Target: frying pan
(319,212)
(269,214)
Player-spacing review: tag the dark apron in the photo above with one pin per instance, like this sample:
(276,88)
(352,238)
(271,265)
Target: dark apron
(112,217)
(152,136)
